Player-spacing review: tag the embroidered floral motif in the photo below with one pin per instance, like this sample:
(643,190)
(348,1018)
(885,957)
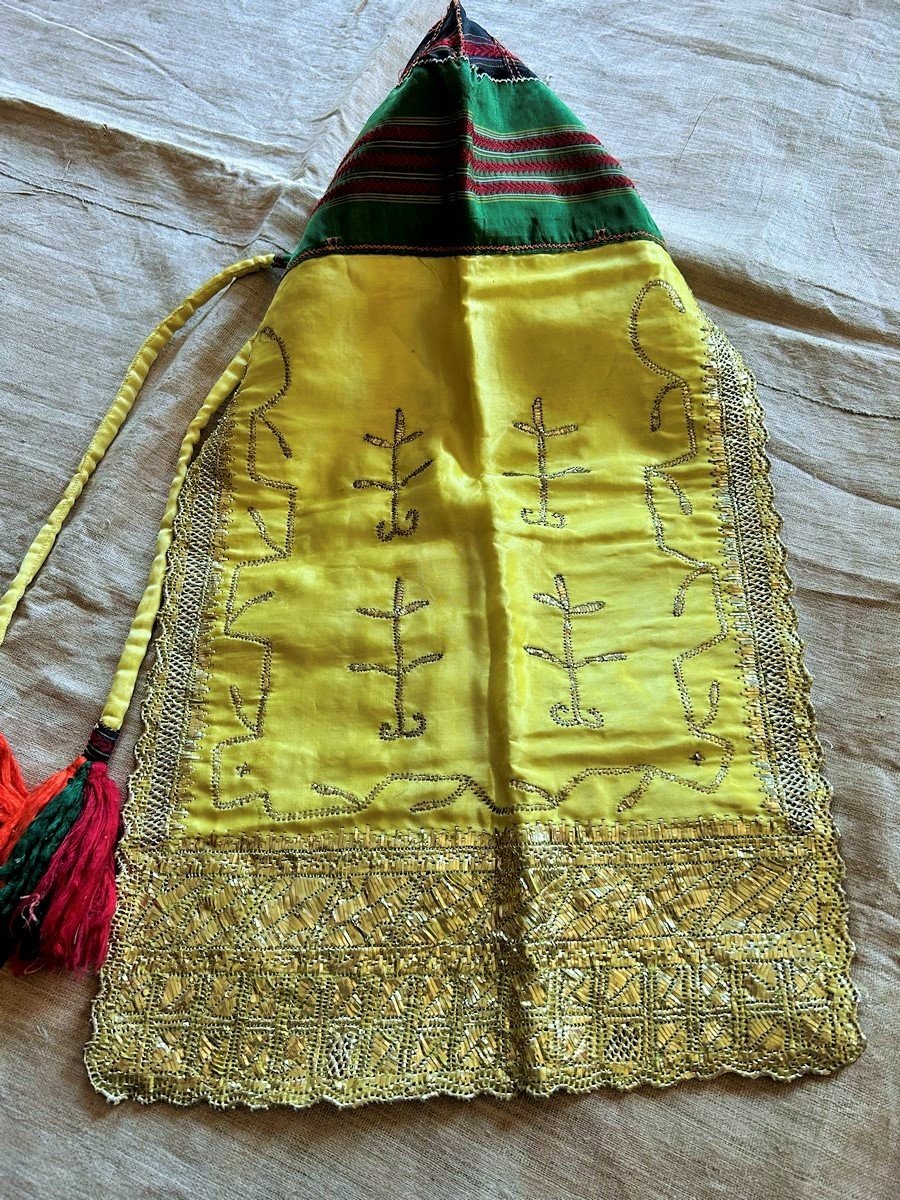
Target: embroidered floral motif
(571,713)
(387,532)
(539,431)
(401,668)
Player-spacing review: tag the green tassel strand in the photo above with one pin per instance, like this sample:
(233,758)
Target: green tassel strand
(31,855)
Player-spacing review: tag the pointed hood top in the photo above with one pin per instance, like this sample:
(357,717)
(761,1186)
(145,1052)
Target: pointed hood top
(471,153)
(455,36)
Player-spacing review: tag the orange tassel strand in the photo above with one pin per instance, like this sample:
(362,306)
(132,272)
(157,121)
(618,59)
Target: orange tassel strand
(18,805)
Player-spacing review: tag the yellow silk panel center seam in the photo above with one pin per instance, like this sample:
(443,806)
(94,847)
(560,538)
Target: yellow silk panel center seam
(470,563)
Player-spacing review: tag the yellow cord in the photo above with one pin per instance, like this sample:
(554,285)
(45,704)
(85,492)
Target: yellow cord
(138,638)
(142,627)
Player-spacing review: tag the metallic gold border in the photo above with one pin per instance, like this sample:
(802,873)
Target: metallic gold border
(357,966)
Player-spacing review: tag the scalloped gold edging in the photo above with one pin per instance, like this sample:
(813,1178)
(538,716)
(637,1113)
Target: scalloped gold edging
(356,966)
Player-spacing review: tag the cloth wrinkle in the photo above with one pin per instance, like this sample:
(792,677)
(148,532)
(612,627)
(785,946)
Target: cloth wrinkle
(801,275)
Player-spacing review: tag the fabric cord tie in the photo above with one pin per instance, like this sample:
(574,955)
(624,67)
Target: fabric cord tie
(58,840)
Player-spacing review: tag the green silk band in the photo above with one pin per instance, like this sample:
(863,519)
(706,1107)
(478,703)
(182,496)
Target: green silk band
(512,169)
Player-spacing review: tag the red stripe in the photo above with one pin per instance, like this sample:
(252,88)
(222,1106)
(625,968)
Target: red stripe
(560,140)
(471,49)
(412,187)
(557,141)
(488,50)
(475,49)
(389,161)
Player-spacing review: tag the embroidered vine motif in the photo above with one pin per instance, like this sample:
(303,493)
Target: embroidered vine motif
(253,721)
(539,431)
(401,668)
(571,713)
(544,800)
(551,801)
(754,558)
(698,568)
(385,531)
(355,803)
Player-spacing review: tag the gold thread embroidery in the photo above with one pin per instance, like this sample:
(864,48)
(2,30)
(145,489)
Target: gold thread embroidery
(401,667)
(253,724)
(782,722)
(590,717)
(551,800)
(413,963)
(172,704)
(539,431)
(384,532)
(699,726)
(356,803)
(433,961)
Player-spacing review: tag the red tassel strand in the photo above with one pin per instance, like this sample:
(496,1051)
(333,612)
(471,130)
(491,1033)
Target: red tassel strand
(75,899)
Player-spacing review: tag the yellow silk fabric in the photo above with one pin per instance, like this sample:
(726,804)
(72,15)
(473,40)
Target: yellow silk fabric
(653,727)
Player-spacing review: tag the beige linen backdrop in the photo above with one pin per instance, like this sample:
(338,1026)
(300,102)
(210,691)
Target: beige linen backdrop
(144,146)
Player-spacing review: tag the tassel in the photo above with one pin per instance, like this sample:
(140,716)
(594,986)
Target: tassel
(18,817)
(11,782)
(69,913)
(13,791)
(60,863)
(31,856)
